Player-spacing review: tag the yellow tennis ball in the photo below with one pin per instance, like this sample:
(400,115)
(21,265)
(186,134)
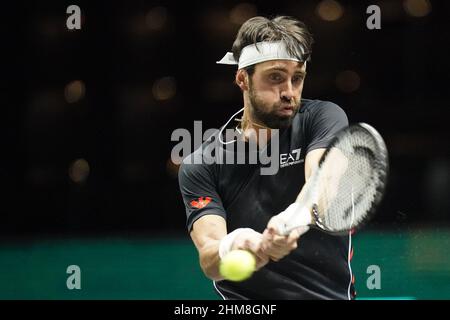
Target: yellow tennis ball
(237,265)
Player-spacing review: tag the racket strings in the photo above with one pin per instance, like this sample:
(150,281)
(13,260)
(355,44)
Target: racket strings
(348,183)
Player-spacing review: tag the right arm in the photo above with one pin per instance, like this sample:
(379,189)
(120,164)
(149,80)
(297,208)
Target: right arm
(206,221)
(207,234)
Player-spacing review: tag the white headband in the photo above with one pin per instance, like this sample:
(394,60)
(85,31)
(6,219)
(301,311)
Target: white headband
(260,52)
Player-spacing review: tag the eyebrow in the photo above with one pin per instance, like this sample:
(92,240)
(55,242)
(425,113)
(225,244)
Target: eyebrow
(279,68)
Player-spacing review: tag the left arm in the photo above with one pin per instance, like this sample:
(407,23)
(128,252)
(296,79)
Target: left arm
(325,120)
(274,245)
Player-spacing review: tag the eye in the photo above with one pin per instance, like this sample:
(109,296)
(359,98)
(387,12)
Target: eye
(297,79)
(276,77)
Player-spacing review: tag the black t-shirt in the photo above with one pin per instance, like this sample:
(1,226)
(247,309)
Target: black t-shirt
(319,268)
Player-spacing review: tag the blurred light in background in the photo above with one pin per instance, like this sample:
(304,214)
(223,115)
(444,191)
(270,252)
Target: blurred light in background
(156,18)
(74,91)
(164,88)
(417,8)
(242,12)
(348,81)
(329,10)
(79,171)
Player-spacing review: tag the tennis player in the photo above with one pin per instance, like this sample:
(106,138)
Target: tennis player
(234,206)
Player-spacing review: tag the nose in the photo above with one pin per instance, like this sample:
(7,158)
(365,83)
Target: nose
(287,92)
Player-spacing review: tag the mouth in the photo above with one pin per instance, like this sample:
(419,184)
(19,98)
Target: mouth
(286,110)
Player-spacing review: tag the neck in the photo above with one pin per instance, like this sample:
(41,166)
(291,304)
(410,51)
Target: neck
(252,128)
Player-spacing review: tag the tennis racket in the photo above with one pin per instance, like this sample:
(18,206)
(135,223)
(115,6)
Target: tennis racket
(345,189)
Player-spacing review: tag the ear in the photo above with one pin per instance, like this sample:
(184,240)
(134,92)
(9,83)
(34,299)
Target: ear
(242,79)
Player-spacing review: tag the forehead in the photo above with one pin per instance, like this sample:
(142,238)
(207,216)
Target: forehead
(286,65)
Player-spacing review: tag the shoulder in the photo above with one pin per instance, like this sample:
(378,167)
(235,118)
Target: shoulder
(199,164)
(312,107)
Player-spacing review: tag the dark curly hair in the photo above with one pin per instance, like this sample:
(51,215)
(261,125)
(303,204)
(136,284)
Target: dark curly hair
(291,31)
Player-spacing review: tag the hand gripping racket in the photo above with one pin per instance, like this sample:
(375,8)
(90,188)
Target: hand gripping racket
(345,189)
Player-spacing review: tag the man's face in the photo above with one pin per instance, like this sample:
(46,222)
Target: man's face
(275,90)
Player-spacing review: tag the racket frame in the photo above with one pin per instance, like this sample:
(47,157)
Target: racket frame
(382,161)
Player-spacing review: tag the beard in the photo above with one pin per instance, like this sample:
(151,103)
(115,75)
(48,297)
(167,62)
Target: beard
(267,114)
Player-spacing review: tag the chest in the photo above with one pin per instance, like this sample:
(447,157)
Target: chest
(251,197)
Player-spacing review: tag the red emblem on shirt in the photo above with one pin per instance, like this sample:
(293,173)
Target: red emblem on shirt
(200,202)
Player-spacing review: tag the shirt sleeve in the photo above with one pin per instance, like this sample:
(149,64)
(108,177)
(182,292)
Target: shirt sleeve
(199,192)
(326,119)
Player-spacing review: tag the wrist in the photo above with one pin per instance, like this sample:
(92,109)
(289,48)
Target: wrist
(289,211)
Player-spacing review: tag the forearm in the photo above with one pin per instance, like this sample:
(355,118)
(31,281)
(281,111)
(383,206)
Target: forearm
(210,259)
(206,234)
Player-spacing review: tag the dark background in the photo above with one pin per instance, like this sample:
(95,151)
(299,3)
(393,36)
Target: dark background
(88,114)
